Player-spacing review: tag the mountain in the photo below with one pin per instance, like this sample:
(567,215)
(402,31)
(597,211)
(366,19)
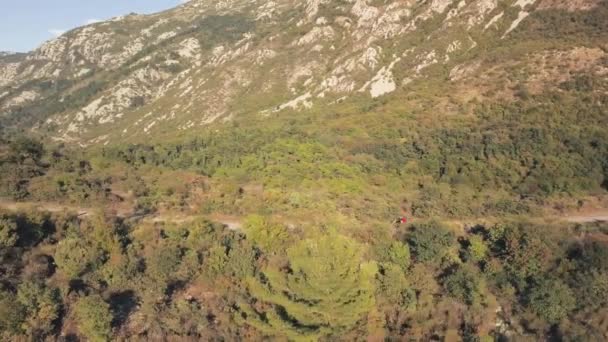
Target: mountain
(204,62)
(310,170)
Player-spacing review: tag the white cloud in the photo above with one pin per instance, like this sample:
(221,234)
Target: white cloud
(91,21)
(56,32)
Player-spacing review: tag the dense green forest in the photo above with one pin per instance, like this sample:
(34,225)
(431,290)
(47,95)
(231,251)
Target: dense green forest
(131,242)
(105,277)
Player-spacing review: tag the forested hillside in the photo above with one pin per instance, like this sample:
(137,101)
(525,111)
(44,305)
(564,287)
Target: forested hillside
(320,171)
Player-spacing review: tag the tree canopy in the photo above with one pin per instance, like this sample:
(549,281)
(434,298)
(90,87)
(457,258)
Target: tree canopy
(326,289)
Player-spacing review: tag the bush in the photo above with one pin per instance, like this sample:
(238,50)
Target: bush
(25,148)
(523,249)
(594,255)
(215,261)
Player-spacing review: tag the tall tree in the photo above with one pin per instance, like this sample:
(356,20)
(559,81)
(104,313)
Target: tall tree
(325,290)
(94,318)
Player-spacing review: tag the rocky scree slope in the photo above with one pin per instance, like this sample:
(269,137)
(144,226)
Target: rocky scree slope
(209,62)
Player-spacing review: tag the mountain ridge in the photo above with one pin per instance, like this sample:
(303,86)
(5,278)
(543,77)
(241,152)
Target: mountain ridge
(188,67)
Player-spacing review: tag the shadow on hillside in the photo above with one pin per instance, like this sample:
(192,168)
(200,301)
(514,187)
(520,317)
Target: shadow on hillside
(122,305)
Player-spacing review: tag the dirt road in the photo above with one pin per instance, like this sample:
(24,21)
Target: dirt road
(234,223)
(599,216)
(44,206)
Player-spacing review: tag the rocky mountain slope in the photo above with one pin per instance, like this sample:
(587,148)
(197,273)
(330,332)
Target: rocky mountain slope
(210,62)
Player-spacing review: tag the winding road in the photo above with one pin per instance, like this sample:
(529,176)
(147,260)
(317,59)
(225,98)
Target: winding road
(233,222)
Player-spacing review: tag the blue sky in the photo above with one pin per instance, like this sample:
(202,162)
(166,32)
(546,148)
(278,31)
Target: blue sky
(25,24)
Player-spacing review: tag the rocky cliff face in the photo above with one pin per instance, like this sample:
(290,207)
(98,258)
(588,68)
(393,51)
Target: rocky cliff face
(208,62)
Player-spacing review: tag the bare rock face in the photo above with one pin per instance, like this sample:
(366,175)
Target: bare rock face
(206,62)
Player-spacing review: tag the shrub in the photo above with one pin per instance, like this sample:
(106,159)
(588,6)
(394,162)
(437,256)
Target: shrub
(24,148)
(523,251)
(594,255)
(215,261)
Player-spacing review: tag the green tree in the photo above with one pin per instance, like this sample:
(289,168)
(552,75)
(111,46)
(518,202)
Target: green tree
(185,318)
(94,318)
(429,241)
(396,253)
(8,233)
(268,236)
(12,313)
(41,306)
(216,260)
(477,249)
(393,286)
(594,254)
(551,299)
(241,260)
(74,256)
(465,284)
(326,290)
(591,288)
(26,148)
(523,251)
(163,262)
